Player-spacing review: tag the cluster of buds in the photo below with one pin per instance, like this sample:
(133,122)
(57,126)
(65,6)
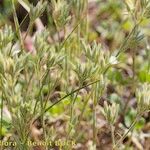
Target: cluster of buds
(98,56)
(85,71)
(110,112)
(37,11)
(6,64)
(143,98)
(60,12)
(6,35)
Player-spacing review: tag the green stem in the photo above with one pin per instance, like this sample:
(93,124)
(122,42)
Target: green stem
(28,30)
(1,117)
(86,3)
(125,42)
(42,85)
(94,118)
(63,98)
(17,25)
(77,136)
(23,20)
(76,26)
(113,134)
(130,128)
(78,89)
(94,126)
(72,114)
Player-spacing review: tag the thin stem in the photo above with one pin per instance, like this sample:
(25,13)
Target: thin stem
(130,128)
(63,98)
(86,3)
(148,57)
(41,87)
(81,115)
(28,30)
(125,42)
(17,25)
(71,94)
(79,22)
(113,134)
(43,80)
(94,116)
(94,126)
(133,67)
(49,94)
(78,89)
(23,20)
(1,117)
(72,114)
(122,47)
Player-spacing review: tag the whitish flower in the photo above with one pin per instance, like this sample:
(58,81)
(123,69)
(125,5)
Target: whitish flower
(143,97)
(113,60)
(110,112)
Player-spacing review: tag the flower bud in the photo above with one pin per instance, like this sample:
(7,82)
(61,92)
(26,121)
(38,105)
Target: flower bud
(110,112)
(143,98)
